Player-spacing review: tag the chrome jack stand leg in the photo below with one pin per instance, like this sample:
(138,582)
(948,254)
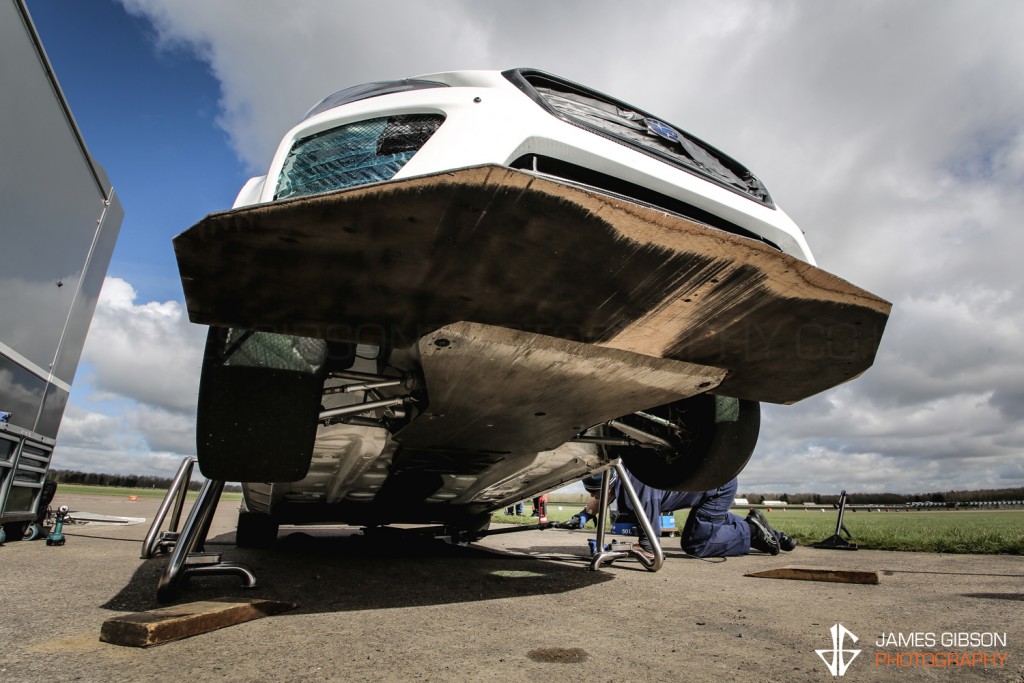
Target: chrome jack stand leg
(607,556)
(185,561)
(162,542)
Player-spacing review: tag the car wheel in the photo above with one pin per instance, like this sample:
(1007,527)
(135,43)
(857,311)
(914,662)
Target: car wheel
(716,439)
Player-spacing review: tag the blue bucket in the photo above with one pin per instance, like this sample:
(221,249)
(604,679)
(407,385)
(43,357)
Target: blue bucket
(668,526)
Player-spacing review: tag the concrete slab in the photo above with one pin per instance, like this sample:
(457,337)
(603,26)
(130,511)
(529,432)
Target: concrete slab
(511,608)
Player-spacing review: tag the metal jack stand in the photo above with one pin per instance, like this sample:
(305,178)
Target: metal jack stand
(603,556)
(837,542)
(187,555)
(162,542)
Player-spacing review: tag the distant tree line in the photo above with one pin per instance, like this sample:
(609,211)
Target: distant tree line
(131,481)
(978,496)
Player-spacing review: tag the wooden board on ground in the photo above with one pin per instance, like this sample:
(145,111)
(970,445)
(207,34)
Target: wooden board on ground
(390,262)
(818,574)
(162,625)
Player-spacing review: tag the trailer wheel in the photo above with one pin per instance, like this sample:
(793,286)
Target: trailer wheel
(15,531)
(33,531)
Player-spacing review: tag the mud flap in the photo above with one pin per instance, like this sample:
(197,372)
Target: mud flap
(259,397)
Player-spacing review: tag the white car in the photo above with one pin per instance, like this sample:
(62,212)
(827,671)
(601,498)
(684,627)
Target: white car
(524,119)
(456,291)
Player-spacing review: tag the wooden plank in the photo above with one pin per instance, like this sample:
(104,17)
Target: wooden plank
(162,625)
(818,574)
(390,262)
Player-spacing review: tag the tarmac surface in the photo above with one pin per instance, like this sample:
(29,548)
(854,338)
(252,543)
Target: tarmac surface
(513,607)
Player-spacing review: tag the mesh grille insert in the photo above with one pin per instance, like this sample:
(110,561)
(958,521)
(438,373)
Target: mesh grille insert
(354,154)
(639,130)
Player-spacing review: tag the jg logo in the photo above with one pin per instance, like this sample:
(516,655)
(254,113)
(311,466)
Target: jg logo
(839,663)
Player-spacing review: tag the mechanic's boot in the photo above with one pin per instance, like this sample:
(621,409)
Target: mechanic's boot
(786,542)
(762,535)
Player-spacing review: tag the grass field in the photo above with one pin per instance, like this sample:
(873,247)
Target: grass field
(945,531)
(83,490)
(937,531)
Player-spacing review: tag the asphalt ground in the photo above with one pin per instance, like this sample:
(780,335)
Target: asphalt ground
(513,607)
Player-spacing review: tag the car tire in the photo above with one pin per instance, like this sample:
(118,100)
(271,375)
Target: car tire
(718,437)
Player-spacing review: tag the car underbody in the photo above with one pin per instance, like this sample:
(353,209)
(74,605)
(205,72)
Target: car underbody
(498,317)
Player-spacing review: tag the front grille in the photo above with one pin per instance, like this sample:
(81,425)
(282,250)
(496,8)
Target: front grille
(588,177)
(637,129)
(354,154)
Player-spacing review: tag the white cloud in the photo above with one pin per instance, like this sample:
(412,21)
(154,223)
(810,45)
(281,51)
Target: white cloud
(132,408)
(147,352)
(275,60)
(892,132)
(139,440)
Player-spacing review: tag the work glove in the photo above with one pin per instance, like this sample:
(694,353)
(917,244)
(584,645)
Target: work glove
(580,519)
(577,521)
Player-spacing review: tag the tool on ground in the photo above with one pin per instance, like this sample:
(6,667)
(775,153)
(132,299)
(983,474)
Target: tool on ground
(837,542)
(56,537)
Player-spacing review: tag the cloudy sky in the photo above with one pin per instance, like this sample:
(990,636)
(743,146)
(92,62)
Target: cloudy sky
(893,133)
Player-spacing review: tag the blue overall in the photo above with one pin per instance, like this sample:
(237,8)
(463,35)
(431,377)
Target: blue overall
(710,530)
